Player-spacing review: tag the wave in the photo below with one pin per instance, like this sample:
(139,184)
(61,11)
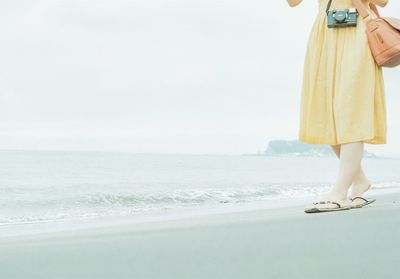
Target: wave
(64,206)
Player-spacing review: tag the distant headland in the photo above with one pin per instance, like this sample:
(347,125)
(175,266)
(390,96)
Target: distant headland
(298,148)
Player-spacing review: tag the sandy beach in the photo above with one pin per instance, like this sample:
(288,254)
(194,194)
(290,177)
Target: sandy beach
(262,243)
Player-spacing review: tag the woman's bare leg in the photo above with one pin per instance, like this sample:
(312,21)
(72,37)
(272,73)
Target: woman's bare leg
(349,167)
(336,149)
(361,183)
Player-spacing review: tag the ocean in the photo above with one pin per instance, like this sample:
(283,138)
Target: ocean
(48,186)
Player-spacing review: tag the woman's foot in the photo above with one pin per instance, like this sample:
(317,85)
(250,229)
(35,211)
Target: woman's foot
(328,202)
(358,188)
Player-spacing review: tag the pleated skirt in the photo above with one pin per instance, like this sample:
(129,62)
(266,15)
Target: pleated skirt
(343,97)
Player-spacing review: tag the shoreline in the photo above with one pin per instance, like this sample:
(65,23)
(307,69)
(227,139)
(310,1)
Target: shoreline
(158,218)
(162,218)
(281,242)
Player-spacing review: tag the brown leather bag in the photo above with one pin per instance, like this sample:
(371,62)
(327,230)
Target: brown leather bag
(383,36)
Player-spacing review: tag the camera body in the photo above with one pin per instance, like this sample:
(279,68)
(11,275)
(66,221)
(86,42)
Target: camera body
(339,18)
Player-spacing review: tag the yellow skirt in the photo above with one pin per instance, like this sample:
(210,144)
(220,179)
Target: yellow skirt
(343,97)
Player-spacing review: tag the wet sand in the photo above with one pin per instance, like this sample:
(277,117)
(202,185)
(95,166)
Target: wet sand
(263,243)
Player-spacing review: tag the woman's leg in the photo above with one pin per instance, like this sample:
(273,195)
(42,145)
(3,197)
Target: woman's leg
(361,183)
(349,167)
(336,149)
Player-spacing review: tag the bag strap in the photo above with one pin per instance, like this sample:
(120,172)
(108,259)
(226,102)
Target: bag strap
(362,10)
(375,9)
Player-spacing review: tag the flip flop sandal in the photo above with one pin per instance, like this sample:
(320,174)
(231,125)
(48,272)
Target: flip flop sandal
(327,209)
(366,202)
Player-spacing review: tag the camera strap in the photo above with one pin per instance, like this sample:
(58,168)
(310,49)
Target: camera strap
(359,7)
(328,6)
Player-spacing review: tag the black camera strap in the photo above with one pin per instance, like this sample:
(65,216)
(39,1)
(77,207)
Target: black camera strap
(328,6)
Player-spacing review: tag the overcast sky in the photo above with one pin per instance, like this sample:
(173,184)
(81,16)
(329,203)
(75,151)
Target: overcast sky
(183,76)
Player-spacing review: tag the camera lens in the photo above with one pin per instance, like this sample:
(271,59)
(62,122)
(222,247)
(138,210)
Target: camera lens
(340,16)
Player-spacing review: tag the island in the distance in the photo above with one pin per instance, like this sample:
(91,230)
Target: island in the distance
(298,148)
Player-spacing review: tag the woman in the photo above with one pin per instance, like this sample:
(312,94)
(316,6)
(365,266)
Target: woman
(342,102)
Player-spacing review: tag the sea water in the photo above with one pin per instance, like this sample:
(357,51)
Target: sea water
(46,186)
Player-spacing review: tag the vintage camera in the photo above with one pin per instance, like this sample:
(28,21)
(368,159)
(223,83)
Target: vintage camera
(342,18)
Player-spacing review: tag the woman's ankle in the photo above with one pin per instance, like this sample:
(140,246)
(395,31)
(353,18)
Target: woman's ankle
(358,190)
(337,194)
(361,181)
(361,178)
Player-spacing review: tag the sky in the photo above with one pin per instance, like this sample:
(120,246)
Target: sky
(159,76)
